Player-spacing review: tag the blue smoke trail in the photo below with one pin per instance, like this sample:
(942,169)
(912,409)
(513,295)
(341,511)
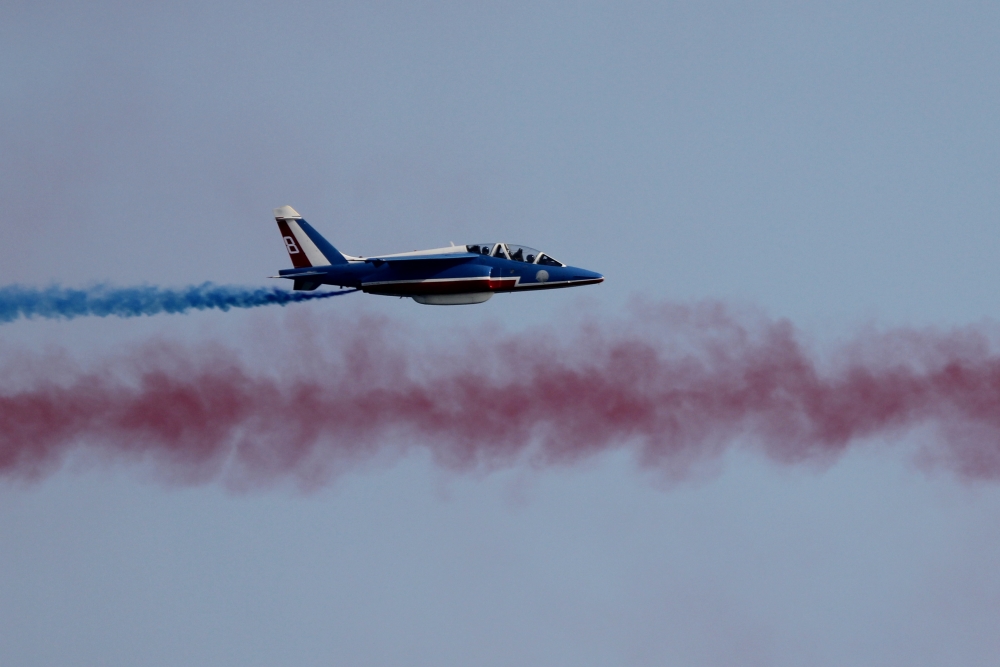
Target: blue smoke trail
(61,302)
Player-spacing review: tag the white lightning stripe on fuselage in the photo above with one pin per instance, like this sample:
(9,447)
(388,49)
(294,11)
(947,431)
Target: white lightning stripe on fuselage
(313,254)
(439,280)
(549,283)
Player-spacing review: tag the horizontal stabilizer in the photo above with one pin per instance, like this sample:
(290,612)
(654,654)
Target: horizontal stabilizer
(295,273)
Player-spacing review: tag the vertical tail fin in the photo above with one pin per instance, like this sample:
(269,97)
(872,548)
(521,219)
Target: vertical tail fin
(305,246)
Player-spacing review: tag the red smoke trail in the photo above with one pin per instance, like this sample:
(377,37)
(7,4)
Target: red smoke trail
(679,385)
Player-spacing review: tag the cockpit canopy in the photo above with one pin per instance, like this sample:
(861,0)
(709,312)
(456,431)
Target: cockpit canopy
(517,253)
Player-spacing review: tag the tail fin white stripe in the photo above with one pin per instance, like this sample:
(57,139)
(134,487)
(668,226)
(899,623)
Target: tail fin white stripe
(316,258)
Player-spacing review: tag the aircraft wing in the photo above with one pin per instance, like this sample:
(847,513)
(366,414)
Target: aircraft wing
(413,260)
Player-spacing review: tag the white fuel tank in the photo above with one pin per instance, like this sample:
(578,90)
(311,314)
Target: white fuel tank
(452,299)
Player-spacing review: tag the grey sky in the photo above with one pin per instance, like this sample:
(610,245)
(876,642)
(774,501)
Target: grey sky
(833,164)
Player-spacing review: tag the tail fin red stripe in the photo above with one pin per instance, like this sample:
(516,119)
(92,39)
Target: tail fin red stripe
(293,246)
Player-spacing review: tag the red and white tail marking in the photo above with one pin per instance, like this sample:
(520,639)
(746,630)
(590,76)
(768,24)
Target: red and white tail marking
(301,249)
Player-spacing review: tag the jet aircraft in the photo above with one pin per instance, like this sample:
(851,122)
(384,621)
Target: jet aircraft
(440,276)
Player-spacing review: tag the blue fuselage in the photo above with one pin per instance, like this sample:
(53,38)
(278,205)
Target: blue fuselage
(452,273)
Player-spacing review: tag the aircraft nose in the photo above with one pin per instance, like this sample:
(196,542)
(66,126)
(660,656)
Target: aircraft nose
(588,276)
